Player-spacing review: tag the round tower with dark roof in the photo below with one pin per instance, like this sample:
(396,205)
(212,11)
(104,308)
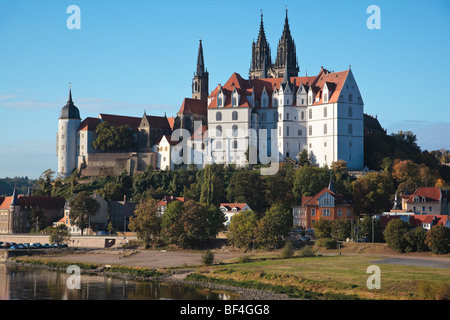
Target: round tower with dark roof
(68,124)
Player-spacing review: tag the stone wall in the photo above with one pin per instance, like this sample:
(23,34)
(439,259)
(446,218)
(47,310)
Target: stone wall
(75,241)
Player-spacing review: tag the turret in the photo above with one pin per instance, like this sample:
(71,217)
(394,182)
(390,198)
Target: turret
(68,124)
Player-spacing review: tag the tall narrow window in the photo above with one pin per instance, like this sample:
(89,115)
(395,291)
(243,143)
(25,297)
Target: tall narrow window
(350,112)
(287,116)
(350,128)
(287,131)
(218,131)
(302,115)
(234,116)
(235,130)
(350,97)
(325,112)
(219,102)
(219,116)
(325,128)
(310,130)
(275,116)
(310,113)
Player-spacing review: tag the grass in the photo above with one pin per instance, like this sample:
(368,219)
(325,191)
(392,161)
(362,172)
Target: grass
(336,277)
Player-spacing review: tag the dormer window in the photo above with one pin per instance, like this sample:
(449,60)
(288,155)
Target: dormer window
(423,199)
(219,102)
(234,102)
(325,97)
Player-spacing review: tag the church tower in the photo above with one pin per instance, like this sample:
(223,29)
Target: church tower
(66,142)
(201,78)
(261,58)
(286,53)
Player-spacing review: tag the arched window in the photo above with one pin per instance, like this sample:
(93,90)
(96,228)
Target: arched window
(235,130)
(218,131)
(310,130)
(325,112)
(234,102)
(279,131)
(325,97)
(235,144)
(219,116)
(234,115)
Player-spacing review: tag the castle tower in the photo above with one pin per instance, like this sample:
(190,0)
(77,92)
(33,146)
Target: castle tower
(68,124)
(286,53)
(261,57)
(14,212)
(201,78)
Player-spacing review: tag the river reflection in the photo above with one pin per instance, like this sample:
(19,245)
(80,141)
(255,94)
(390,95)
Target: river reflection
(19,283)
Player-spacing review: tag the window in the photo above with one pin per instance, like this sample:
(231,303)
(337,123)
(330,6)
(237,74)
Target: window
(349,213)
(350,112)
(310,113)
(287,116)
(193,146)
(219,102)
(275,116)
(263,117)
(235,130)
(234,102)
(287,131)
(235,144)
(325,128)
(219,116)
(430,209)
(218,145)
(326,212)
(310,130)
(299,132)
(350,97)
(310,100)
(287,101)
(234,116)
(325,97)
(279,131)
(275,103)
(325,112)
(302,115)
(339,212)
(313,212)
(350,128)
(264,102)
(219,131)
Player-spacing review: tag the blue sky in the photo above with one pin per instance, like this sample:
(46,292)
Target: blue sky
(131,56)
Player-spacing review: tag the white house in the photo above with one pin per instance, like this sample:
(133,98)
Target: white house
(230,209)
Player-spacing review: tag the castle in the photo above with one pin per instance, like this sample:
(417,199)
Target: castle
(322,114)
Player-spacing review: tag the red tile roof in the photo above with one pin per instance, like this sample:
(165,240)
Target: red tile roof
(192,106)
(431,194)
(230,206)
(117,121)
(5,202)
(168,199)
(334,80)
(89,124)
(158,122)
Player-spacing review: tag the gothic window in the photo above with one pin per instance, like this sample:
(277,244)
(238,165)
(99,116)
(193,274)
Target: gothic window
(310,113)
(287,101)
(218,131)
(350,112)
(218,116)
(234,115)
(264,103)
(279,131)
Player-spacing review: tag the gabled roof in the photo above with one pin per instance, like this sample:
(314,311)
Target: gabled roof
(157,122)
(168,199)
(314,201)
(431,194)
(192,106)
(89,124)
(117,121)
(5,202)
(169,140)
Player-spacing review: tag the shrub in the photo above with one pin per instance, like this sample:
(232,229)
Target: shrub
(244,259)
(434,291)
(306,251)
(208,258)
(395,235)
(288,251)
(438,239)
(328,243)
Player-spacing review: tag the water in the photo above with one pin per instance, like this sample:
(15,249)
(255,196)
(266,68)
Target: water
(19,283)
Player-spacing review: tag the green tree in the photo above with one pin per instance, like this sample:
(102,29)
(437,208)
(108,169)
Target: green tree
(146,222)
(36,219)
(194,220)
(212,187)
(395,235)
(246,186)
(323,228)
(171,227)
(308,181)
(274,226)
(59,234)
(416,240)
(365,226)
(341,229)
(241,231)
(373,193)
(304,159)
(438,239)
(82,207)
(278,187)
(112,138)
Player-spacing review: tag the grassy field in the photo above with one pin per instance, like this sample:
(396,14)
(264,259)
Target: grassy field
(333,277)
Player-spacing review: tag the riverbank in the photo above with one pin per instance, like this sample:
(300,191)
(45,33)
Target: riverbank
(142,274)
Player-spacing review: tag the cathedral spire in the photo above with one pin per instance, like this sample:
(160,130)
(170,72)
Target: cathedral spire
(14,200)
(286,48)
(200,60)
(260,54)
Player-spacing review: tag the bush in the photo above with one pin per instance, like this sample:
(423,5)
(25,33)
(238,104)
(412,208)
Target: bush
(395,235)
(306,251)
(288,251)
(245,259)
(328,243)
(208,258)
(438,239)
(434,291)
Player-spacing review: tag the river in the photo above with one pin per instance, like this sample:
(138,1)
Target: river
(21,283)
